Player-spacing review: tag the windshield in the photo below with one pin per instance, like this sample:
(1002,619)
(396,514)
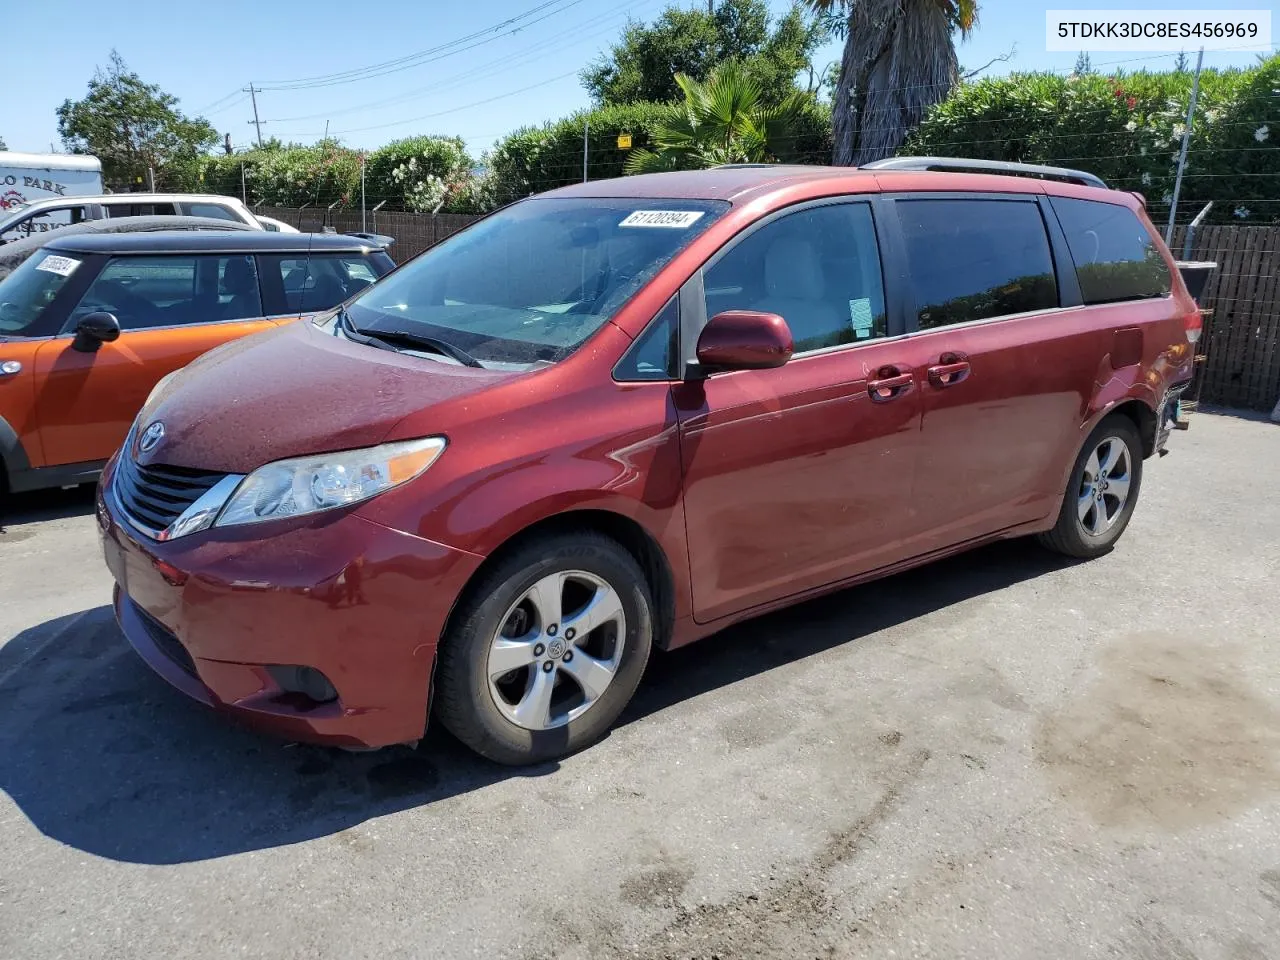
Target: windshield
(532,282)
(30,288)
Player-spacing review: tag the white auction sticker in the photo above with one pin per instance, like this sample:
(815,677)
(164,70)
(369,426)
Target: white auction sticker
(679,219)
(1143,30)
(62,266)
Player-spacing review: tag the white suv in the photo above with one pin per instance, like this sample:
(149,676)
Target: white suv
(45,215)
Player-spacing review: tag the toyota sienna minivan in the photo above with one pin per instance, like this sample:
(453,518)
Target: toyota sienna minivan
(625,414)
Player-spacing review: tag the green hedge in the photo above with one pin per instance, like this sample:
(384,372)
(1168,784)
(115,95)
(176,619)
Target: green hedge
(1128,130)
(411,174)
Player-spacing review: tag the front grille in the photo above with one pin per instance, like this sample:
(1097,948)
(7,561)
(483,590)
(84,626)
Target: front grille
(165,641)
(156,495)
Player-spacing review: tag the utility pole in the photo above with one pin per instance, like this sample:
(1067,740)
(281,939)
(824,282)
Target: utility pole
(253,95)
(586,124)
(1186,140)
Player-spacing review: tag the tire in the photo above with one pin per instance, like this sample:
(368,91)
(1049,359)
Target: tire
(502,718)
(1081,530)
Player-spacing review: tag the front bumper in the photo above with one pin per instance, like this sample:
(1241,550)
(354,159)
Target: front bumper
(361,603)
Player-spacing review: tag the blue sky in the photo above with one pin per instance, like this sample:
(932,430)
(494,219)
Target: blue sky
(507,79)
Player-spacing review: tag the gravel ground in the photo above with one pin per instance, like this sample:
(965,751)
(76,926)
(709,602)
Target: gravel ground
(1001,755)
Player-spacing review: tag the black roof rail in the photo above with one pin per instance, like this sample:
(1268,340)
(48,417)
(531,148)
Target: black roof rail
(1007,168)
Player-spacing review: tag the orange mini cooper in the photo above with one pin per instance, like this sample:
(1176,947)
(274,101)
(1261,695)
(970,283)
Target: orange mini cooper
(90,324)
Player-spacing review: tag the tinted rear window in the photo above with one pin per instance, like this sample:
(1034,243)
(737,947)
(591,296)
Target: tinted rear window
(1115,255)
(976,259)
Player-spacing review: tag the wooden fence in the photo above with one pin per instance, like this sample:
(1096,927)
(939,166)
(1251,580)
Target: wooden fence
(414,232)
(1241,339)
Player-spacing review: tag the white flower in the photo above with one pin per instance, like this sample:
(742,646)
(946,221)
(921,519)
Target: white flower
(1211,116)
(1262,133)
(1146,179)
(1167,198)
(1131,126)
(1242,212)
(1143,151)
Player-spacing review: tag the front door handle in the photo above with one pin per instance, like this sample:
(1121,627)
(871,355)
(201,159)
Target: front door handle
(890,384)
(949,370)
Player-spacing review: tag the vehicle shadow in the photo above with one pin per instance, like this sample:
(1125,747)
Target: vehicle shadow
(101,755)
(41,505)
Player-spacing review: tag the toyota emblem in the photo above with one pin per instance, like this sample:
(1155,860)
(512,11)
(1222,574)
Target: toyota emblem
(151,436)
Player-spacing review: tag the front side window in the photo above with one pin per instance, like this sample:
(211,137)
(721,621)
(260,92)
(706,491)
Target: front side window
(819,269)
(29,289)
(43,222)
(531,283)
(976,259)
(160,291)
(1115,256)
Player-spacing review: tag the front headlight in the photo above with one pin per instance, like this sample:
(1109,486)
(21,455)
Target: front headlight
(288,488)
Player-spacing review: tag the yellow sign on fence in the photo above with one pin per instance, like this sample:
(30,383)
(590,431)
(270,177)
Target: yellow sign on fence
(624,141)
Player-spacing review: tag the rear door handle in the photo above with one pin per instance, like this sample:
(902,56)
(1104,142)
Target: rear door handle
(950,370)
(890,385)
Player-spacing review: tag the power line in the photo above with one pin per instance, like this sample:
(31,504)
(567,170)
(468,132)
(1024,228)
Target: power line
(430,55)
(465,106)
(531,54)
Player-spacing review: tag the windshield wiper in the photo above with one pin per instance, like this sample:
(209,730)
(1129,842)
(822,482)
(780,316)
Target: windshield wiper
(407,338)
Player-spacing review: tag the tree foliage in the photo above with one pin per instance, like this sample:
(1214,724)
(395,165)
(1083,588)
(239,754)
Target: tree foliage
(898,60)
(535,159)
(1128,129)
(722,120)
(642,65)
(133,127)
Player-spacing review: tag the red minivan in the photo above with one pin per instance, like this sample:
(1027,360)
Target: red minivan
(623,415)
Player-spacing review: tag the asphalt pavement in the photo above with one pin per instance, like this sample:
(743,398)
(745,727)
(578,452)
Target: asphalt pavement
(1000,755)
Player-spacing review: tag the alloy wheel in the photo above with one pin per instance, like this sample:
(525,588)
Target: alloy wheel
(1104,486)
(557,650)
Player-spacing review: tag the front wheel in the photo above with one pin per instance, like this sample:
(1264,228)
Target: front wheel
(1101,493)
(546,650)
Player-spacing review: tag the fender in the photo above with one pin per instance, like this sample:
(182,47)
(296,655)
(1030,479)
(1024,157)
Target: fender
(664,526)
(12,454)
(1112,388)
(481,501)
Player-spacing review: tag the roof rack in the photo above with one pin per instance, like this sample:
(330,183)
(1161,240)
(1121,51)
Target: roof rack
(966,165)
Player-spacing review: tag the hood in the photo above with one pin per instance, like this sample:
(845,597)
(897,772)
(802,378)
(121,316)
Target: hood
(295,391)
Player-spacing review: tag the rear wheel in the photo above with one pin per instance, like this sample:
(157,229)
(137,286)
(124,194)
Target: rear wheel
(546,651)
(1101,493)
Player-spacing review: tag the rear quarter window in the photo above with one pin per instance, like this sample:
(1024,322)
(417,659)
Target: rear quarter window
(213,211)
(1116,257)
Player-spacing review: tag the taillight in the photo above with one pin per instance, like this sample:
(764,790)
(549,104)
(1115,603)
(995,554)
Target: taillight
(1194,325)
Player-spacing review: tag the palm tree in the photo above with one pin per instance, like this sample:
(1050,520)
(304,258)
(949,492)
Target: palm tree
(722,120)
(898,61)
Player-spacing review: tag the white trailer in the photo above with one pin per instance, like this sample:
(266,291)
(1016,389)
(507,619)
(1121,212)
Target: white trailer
(26,177)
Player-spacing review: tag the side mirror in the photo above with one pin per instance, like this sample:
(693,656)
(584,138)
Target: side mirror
(94,330)
(744,340)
